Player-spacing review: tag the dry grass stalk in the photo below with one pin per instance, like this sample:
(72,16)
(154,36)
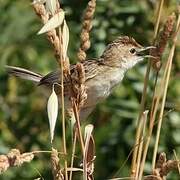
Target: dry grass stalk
(86,28)
(137,146)
(61,63)
(56,170)
(163,40)
(78,124)
(56,38)
(163,167)
(151,128)
(141,142)
(78,97)
(73,154)
(78,89)
(161,46)
(166,82)
(164,36)
(143,98)
(14,158)
(77,86)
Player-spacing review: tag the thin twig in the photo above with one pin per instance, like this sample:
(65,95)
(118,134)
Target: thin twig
(76,114)
(63,115)
(73,153)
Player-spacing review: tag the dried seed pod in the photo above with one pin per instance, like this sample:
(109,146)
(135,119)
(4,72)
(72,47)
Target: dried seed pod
(161,160)
(170,165)
(163,167)
(86,28)
(164,37)
(78,85)
(57,173)
(14,158)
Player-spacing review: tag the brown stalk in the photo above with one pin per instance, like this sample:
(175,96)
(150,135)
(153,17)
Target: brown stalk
(166,82)
(78,96)
(78,89)
(86,28)
(143,98)
(141,142)
(78,128)
(164,36)
(73,153)
(138,137)
(63,114)
(161,46)
(56,40)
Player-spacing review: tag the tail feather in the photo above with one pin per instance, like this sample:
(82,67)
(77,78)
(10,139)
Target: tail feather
(24,73)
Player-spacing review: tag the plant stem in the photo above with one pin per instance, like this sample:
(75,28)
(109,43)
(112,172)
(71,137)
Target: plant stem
(73,153)
(166,82)
(143,98)
(141,142)
(76,114)
(159,11)
(63,109)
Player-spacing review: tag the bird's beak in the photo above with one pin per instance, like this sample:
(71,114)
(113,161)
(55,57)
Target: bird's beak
(145,52)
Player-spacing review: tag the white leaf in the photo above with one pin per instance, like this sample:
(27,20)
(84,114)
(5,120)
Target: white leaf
(65,38)
(87,135)
(74,169)
(54,22)
(87,132)
(51,6)
(52,109)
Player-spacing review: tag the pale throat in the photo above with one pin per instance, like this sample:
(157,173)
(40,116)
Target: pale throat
(128,64)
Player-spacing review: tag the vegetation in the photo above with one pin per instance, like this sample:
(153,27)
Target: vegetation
(23,117)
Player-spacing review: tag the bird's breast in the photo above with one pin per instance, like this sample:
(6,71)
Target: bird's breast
(101,86)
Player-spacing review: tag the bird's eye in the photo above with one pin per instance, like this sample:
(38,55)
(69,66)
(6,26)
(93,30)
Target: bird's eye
(132,51)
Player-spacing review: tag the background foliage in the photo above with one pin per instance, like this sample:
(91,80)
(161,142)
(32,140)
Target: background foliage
(23,117)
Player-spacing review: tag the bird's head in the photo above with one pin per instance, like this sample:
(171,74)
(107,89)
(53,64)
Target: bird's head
(125,52)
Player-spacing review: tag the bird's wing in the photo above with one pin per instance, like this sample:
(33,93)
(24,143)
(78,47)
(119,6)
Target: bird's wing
(90,67)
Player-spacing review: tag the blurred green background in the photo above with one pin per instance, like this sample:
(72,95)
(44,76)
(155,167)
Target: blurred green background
(23,117)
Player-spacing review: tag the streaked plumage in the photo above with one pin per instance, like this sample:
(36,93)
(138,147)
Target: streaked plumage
(101,75)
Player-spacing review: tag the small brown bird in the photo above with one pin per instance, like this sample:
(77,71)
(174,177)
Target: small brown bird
(101,74)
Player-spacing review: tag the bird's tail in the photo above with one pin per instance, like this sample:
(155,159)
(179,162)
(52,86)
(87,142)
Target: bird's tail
(24,73)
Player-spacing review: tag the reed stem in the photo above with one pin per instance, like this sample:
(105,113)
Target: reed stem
(143,98)
(166,82)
